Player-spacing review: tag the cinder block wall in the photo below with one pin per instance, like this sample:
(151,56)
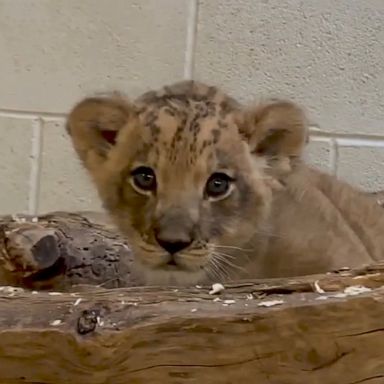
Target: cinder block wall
(328,55)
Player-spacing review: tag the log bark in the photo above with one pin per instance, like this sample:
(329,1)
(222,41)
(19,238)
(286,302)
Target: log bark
(307,330)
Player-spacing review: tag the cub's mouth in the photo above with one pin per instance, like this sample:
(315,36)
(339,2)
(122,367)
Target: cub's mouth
(157,259)
(171,263)
(180,262)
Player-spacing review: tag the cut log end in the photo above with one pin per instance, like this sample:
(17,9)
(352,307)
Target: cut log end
(60,250)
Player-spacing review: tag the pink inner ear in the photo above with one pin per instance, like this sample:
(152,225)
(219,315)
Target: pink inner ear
(109,136)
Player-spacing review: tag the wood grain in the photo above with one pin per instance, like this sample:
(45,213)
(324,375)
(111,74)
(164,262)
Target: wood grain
(153,335)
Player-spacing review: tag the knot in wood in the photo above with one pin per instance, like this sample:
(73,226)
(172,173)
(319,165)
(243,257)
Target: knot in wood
(87,321)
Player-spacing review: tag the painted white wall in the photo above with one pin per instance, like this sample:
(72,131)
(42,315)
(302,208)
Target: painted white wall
(328,55)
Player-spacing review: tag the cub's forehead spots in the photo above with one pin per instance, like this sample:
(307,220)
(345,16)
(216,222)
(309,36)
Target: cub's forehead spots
(185,120)
(185,132)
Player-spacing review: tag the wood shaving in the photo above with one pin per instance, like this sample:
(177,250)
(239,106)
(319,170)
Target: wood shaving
(356,290)
(11,290)
(351,291)
(77,302)
(55,323)
(18,219)
(99,321)
(339,295)
(216,288)
(270,303)
(318,289)
(365,276)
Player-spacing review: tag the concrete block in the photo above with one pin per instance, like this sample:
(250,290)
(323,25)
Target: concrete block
(362,167)
(65,185)
(317,154)
(328,55)
(55,52)
(15,164)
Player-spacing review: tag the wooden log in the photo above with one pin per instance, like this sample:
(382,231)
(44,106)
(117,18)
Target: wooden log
(316,329)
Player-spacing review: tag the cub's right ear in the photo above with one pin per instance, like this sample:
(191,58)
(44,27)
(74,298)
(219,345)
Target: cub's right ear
(94,125)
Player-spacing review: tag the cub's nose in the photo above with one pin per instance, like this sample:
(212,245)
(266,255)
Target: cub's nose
(174,232)
(173,246)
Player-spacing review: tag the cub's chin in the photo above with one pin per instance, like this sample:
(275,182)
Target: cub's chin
(170,275)
(161,268)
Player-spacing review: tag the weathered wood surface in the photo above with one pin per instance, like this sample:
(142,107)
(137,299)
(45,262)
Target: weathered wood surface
(151,335)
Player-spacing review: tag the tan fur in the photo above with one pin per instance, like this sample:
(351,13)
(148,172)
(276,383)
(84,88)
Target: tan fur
(280,217)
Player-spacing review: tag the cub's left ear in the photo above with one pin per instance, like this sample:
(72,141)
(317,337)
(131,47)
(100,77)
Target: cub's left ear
(277,130)
(94,125)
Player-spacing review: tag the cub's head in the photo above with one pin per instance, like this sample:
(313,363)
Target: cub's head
(188,174)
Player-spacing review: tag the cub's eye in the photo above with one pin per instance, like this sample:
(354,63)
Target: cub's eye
(144,179)
(218,185)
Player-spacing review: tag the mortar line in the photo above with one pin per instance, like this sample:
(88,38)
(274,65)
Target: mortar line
(35,170)
(190,46)
(351,142)
(345,136)
(333,156)
(19,113)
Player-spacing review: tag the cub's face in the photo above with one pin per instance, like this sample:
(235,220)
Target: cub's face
(186,175)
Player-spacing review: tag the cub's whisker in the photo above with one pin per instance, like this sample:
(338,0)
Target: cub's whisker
(232,247)
(222,258)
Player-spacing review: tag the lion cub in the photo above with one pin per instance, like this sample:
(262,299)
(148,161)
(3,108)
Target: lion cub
(206,189)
